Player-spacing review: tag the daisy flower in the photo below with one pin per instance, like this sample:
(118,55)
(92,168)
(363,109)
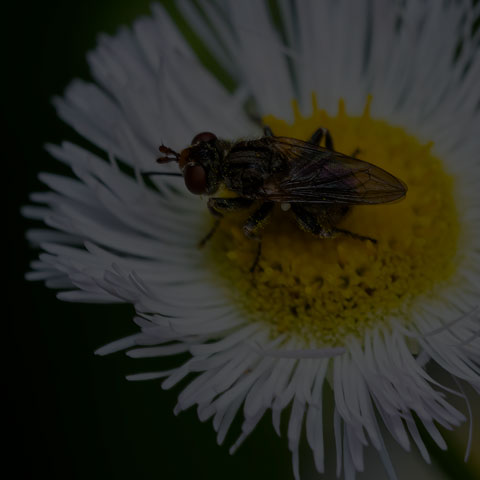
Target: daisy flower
(363,321)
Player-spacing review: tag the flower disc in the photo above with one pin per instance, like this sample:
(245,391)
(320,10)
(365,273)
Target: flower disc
(325,289)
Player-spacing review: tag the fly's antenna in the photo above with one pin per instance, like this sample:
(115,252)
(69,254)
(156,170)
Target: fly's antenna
(170,155)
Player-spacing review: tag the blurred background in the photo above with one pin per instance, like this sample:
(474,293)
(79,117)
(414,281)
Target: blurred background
(72,414)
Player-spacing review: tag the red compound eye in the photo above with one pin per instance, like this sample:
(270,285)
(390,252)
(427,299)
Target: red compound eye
(195,178)
(203,137)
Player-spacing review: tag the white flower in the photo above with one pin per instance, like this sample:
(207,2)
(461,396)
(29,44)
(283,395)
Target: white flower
(363,320)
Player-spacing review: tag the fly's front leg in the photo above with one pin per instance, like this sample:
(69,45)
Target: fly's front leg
(218,205)
(210,234)
(253,225)
(318,135)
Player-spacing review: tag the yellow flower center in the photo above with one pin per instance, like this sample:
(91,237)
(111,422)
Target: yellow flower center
(322,290)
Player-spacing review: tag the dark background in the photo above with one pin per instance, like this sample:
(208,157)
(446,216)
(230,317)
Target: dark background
(71,414)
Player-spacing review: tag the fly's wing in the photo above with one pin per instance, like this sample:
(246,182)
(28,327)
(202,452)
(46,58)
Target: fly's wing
(318,175)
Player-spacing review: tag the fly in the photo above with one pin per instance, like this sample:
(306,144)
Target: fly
(317,184)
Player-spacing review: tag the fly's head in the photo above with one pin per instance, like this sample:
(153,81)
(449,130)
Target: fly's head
(200,163)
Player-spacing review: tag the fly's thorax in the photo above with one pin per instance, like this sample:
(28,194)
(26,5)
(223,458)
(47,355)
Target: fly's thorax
(247,182)
(248,166)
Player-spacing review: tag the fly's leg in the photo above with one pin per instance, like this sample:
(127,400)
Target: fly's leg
(267,131)
(355,153)
(210,234)
(218,205)
(257,256)
(318,135)
(354,235)
(311,223)
(257,220)
(253,225)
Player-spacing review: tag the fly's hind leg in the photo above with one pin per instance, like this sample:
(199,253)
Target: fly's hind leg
(354,235)
(322,224)
(253,225)
(318,135)
(217,206)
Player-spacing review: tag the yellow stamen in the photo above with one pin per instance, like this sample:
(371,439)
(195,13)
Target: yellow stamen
(324,290)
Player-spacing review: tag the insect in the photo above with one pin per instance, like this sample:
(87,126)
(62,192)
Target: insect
(318,184)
